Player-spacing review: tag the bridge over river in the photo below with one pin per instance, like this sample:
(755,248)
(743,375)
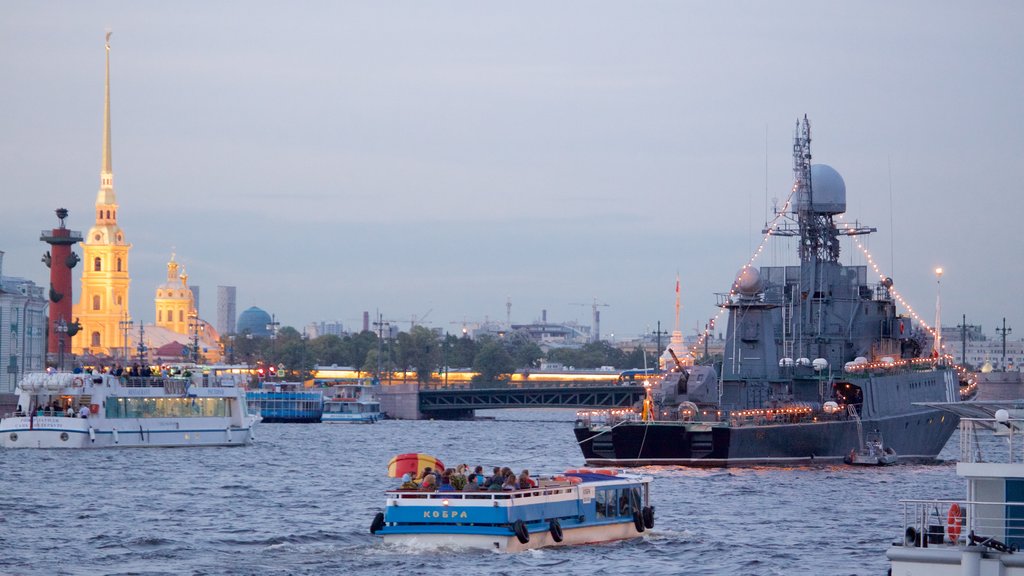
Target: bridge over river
(415,401)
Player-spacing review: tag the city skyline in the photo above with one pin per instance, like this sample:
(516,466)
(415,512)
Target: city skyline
(440,161)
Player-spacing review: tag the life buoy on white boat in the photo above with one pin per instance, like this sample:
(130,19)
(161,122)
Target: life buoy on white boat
(77,382)
(954,522)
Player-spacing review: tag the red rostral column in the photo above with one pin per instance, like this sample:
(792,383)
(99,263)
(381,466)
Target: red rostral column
(60,259)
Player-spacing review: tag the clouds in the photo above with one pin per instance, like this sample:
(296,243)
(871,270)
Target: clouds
(328,159)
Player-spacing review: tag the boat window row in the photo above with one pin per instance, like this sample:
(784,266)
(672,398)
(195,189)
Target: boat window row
(167,407)
(615,502)
(350,408)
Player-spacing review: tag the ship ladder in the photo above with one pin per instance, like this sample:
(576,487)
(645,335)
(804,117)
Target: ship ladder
(852,411)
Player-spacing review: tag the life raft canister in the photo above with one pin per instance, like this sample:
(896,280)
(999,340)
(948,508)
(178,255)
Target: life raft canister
(94,408)
(954,522)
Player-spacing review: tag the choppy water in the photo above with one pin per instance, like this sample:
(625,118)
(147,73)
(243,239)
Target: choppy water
(301,499)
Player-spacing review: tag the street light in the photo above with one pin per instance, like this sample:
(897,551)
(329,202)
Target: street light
(61,327)
(125,325)
(195,326)
(938,314)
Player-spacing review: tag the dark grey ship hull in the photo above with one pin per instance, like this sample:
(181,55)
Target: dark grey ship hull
(916,437)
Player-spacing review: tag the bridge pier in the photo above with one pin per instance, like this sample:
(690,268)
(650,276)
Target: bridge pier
(401,401)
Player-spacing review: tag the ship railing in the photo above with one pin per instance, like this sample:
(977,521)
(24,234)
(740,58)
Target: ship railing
(995,525)
(996,440)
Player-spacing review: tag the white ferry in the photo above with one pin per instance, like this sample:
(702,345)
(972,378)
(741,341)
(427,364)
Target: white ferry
(983,532)
(579,507)
(63,410)
(351,403)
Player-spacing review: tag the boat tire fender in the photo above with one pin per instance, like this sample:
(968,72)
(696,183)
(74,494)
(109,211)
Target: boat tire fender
(648,516)
(638,521)
(556,530)
(522,534)
(378,523)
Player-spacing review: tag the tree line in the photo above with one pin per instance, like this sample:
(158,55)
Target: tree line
(421,350)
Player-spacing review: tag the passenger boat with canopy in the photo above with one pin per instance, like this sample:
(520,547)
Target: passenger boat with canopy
(577,507)
(71,410)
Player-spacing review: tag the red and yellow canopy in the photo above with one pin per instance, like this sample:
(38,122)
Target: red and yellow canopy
(413,463)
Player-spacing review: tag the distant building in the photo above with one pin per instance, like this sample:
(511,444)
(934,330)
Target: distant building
(195,295)
(104,295)
(226,313)
(23,333)
(317,329)
(254,321)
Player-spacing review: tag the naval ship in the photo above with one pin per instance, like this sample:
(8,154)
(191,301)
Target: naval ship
(816,359)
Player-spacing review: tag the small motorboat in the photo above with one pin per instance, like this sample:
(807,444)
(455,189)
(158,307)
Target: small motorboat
(872,452)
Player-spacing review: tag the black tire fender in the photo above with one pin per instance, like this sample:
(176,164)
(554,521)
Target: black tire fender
(378,523)
(522,534)
(556,530)
(638,521)
(648,515)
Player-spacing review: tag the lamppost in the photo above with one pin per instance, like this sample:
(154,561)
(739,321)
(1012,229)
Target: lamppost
(125,325)
(231,349)
(141,348)
(61,327)
(658,333)
(195,326)
(938,314)
(272,328)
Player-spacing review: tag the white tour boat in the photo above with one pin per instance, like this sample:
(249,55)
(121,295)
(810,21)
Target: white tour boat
(351,403)
(65,410)
(983,532)
(579,507)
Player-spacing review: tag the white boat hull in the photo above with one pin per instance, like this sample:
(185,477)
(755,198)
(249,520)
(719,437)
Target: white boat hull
(540,539)
(64,432)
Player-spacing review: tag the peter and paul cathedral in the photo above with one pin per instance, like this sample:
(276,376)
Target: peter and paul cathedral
(103,303)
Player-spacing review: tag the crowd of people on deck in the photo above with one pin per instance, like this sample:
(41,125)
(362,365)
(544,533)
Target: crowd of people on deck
(460,479)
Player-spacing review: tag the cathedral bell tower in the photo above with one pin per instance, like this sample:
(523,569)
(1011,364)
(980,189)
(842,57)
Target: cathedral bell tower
(104,294)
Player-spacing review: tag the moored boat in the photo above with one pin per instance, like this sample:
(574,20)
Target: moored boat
(68,410)
(351,403)
(981,533)
(578,507)
(286,403)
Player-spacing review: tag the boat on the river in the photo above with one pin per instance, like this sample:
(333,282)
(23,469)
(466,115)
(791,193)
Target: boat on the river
(983,532)
(871,452)
(72,410)
(813,354)
(286,402)
(578,507)
(351,403)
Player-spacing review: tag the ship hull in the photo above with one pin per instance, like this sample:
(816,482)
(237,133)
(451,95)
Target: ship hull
(917,436)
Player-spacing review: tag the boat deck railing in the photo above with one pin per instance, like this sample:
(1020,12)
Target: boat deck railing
(963,522)
(483,495)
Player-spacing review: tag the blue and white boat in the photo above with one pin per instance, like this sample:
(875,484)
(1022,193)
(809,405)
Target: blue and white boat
(286,402)
(351,403)
(579,507)
(983,532)
(65,410)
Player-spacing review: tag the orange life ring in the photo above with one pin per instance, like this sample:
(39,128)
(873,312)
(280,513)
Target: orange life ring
(77,382)
(954,522)
(605,472)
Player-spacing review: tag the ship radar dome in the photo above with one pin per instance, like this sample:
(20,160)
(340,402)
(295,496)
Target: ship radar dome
(748,281)
(828,190)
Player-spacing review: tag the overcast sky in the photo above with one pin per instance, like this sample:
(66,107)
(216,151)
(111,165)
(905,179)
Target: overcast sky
(440,158)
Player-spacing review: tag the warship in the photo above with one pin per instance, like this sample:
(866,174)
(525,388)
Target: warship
(816,359)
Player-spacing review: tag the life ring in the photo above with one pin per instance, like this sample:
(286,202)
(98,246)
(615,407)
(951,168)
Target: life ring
(378,523)
(954,522)
(522,534)
(556,530)
(605,472)
(648,515)
(77,382)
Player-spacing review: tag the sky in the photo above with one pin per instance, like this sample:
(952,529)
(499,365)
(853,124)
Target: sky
(438,160)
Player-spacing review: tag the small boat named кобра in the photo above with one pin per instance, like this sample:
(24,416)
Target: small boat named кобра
(578,507)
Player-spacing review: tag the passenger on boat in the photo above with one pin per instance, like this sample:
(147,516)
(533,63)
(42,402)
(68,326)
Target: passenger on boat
(496,477)
(408,483)
(525,481)
(446,481)
(472,485)
(70,412)
(426,471)
(510,482)
(428,484)
(83,412)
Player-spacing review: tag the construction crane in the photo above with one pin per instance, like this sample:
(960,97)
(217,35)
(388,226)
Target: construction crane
(595,333)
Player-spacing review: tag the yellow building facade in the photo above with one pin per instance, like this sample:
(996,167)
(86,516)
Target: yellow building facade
(175,303)
(103,300)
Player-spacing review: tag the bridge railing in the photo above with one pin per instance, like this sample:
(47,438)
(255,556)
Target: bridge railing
(506,385)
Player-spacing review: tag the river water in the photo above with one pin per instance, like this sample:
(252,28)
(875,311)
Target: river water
(300,501)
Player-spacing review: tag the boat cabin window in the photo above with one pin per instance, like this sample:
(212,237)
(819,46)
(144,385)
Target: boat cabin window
(167,407)
(614,502)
